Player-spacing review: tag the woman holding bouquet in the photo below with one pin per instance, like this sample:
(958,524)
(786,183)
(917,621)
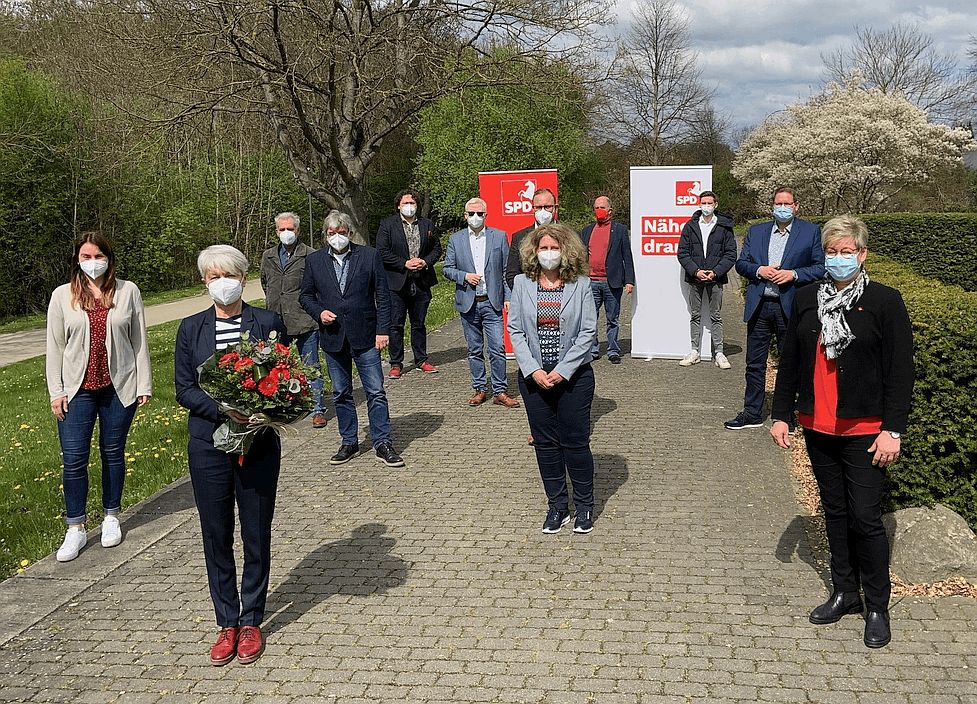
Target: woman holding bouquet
(97,369)
(219,479)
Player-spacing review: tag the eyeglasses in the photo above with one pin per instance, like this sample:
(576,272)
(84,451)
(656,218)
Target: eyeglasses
(550,208)
(479,213)
(337,232)
(843,252)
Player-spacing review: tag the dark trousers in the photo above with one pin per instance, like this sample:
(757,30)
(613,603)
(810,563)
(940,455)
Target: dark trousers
(410,301)
(851,494)
(559,419)
(218,481)
(768,321)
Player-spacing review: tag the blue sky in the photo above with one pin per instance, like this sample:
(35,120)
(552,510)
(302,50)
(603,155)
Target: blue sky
(763,55)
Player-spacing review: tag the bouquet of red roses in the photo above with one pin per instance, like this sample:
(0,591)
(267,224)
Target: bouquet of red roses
(265,381)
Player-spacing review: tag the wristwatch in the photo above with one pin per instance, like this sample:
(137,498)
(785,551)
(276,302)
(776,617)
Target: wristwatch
(894,435)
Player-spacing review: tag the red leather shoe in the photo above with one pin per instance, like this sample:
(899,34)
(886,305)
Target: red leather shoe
(250,644)
(395,373)
(428,368)
(225,647)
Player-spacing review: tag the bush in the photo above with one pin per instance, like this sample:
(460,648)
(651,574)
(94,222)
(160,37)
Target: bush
(939,245)
(939,451)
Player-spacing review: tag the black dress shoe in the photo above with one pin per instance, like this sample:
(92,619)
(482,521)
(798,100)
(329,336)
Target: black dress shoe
(388,455)
(345,454)
(614,358)
(877,632)
(840,604)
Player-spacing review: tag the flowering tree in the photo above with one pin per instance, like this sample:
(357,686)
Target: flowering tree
(850,149)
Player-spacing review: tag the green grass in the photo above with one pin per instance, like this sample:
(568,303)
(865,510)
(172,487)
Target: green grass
(38,320)
(31,503)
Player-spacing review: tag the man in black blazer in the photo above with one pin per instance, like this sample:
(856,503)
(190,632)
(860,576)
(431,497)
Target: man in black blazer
(545,211)
(611,270)
(707,251)
(345,289)
(409,249)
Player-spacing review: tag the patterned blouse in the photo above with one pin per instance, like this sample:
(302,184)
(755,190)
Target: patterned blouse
(228,332)
(97,375)
(548,304)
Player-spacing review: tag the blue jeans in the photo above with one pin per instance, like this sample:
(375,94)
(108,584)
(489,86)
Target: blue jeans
(75,433)
(768,321)
(308,344)
(611,299)
(483,322)
(340,366)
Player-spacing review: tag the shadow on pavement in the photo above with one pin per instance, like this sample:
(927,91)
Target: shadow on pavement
(361,565)
(610,474)
(805,538)
(414,426)
(173,500)
(600,408)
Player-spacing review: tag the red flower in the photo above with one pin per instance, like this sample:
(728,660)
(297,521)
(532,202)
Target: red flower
(269,385)
(228,358)
(243,363)
(249,383)
(281,349)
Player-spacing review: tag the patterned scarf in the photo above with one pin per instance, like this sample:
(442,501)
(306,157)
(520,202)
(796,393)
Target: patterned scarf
(832,303)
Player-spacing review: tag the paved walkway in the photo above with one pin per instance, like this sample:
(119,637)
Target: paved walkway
(433,583)
(18,346)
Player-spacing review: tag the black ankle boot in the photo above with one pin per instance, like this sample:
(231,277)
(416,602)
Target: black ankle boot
(877,632)
(840,604)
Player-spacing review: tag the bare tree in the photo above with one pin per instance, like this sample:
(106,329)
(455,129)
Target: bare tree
(331,79)
(657,96)
(902,59)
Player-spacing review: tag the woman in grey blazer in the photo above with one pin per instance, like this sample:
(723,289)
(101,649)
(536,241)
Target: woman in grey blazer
(553,326)
(97,369)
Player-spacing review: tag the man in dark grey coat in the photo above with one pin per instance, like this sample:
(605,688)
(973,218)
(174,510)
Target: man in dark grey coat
(282,269)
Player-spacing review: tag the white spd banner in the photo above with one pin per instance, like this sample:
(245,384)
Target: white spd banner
(663,199)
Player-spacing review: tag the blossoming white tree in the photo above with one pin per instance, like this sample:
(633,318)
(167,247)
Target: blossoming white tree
(850,149)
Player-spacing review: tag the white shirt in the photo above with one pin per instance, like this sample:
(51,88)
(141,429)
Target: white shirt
(706,229)
(476,240)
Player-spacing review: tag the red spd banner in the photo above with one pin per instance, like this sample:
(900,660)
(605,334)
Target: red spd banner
(509,196)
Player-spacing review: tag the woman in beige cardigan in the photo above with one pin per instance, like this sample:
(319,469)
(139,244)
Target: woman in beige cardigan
(97,368)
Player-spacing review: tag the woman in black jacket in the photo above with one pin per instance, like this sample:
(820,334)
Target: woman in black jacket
(847,369)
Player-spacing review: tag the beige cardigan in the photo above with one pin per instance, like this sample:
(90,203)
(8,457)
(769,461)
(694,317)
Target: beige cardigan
(68,344)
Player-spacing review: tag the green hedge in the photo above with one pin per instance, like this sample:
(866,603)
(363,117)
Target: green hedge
(939,462)
(939,245)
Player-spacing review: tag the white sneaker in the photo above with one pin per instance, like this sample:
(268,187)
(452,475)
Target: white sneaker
(721,361)
(692,358)
(74,541)
(111,532)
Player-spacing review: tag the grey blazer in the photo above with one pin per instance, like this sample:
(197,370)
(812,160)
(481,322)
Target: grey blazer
(459,261)
(578,326)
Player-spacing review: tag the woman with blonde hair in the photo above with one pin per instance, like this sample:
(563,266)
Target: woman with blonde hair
(553,326)
(847,369)
(97,369)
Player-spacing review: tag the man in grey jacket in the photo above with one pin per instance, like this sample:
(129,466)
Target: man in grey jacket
(282,269)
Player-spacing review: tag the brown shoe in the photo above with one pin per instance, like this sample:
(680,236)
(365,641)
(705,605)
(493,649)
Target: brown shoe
(478,398)
(319,420)
(506,400)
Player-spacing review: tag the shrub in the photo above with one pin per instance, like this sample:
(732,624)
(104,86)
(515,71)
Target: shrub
(940,448)
(939,245)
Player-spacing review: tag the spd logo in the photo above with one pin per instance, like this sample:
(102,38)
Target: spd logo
(687,192)
(517,196)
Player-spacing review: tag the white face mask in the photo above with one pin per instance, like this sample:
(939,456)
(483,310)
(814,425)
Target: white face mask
(288,237)
(408,210)
(225,291)
(94,267)
(708,210)
(475,222)
(338,241)
(543,217)
(549,259)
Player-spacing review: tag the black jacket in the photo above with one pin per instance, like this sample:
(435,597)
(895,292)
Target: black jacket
(514,264)
(392,245)
(875,372)
(720,255)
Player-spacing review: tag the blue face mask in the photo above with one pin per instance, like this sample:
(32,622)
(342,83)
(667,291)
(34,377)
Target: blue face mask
(841,267)
(783,213)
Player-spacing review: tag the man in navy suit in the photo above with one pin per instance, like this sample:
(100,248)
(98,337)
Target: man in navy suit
(611,270)
(476,262)
(776,258)
(409,249)
(345,289)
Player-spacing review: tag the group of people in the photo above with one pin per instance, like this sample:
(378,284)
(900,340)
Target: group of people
(845,367)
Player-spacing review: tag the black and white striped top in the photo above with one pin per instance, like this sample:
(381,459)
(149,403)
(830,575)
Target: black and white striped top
(228,332)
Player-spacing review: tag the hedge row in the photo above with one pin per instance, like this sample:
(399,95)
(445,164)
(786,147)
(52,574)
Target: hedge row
(939,461)
(939,245)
